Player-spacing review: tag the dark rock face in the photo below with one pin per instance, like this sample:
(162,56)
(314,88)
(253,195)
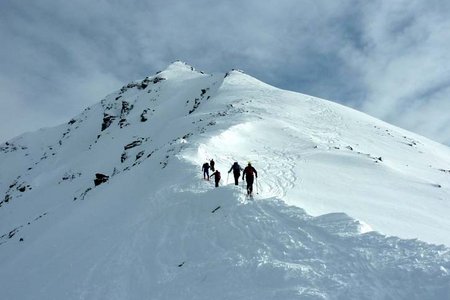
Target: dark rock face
(133,144)
(158,79)
(123,157)
(126,107)
(100,178)
(123,123)
(107,121)
(196,105)
(204,92)
(7,198)
(13,232)
(144,84)
(140,154)
(144,116)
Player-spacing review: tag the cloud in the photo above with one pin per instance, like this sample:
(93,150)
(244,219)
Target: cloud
(404,64)
(385,58)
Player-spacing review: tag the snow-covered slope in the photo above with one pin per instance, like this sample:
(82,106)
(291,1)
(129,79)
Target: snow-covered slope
(157,230)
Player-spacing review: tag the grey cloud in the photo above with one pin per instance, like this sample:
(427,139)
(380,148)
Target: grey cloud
(405,64)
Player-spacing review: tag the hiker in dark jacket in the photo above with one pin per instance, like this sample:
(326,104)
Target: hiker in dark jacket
(236,168)
(212,164)
(205,169)
(216,175)
(248,176)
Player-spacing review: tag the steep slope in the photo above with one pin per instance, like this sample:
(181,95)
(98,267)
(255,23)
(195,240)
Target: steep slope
(325,157)
(156,230)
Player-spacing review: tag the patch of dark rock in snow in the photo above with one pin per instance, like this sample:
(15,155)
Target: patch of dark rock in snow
(140,154)
(144,115)
(126,108)
(133,144)
(100,178)
(123,157)
(69,176)
(107,120)
(158,79)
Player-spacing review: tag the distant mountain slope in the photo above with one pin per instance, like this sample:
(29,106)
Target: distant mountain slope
(153,228)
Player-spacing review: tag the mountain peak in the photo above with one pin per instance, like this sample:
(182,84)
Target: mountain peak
(118,191)
(178,64)
(179,69)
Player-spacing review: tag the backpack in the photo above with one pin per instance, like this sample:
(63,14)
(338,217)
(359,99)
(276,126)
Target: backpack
(236,167)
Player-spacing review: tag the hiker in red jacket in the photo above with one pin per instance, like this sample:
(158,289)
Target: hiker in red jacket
(248,176)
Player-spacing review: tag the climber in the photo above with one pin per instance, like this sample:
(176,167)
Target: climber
(248,176)
(205,169)
(216,175)
(236,172)
(212,163)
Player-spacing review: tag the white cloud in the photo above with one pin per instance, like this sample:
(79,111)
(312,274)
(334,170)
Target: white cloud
(384,57)
(405,65)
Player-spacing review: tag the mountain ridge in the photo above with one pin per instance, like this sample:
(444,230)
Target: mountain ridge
(154,228)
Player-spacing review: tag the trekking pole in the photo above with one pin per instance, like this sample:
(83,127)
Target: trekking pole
(257,186)
(227,177)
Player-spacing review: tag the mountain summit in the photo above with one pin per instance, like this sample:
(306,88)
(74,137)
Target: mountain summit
(113,205)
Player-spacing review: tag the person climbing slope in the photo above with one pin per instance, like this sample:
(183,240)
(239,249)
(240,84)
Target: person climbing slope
(205,169)
(236,168)
(248,176)
(216,175)
(212,164)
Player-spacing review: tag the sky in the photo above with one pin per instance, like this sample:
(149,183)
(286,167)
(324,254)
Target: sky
(389,58)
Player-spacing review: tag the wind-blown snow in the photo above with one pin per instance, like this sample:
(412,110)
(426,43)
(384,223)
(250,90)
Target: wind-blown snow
(335,187)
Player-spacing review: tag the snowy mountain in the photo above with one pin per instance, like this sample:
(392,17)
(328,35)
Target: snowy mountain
(345,207)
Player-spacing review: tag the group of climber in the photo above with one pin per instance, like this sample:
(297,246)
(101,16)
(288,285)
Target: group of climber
(248,174)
